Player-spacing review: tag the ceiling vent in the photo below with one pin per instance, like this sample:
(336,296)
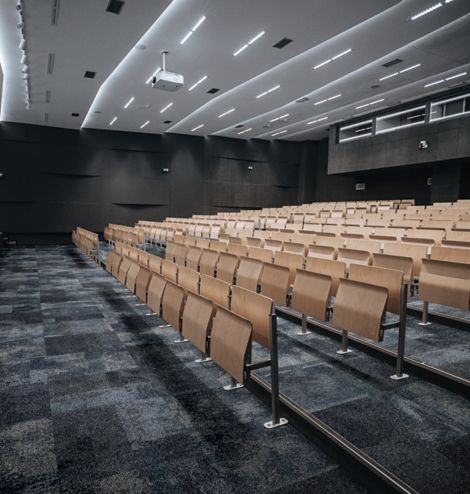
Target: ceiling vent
(392,62)
(283,42)
(302,100)
(239,126)
(213,90)
(89,74)
(115,6)
(48,96)
(360,186)
(46,117)
(75,115)
(167,122)
(50,63)
(55,12)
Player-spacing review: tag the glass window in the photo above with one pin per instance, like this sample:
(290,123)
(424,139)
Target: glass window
(400,120)
(449,108)
(355,131)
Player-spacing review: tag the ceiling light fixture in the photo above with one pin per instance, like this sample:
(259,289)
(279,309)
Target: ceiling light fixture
(279,133)
(249,43)
(450,78)
(455,76)
(112,121)
(202,79)
(388,76)
(279,118)
(410,68)
(317,120)
(339,55)
(426,11)
(196,128)
(145,124)
(369,104)
(129,103)
(198,23)
(226,113)
(327,99)
(165,108)
(268,91)
(244,131)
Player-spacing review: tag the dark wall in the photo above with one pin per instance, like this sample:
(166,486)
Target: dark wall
(55,179)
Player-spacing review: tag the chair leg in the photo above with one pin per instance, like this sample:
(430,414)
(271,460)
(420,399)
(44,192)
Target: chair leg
(344,344)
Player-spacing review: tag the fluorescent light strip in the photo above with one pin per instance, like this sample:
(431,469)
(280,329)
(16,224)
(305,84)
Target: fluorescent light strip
(434,83)
(369,104)
(334,97)
(145,124)
(440,81)
(410,68)
(196,128)
(331,98)
(322,64)
(246,45)
(268,91)
(112,121)
(165,108)
(388,76)
(129,102)
(198,23)
(455,76)
(278,133)
(202,79)
(339,55)
(279,118)
(226,113)
(317,120)
(244,131)
(427,11)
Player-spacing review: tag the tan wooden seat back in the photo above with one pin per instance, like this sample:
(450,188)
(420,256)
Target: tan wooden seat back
(254,242)
(189,241)
(295,248)
(116,264)
(197,320)
(188,279)
(218,246)
(169,270)
(400,263)
(322,252)
(354,256)
(248,273)
(155,264)
(132,276)
(360,308)
(257,309)
(231,342)
(274,245)
(180,254)
(144,259)
(123,269)
(172,304)
(216,290)
(334,269)
(170,251)
(329,241)
(202,243)
(460,236)
(265,255)
(226,267)
(391,279)
(155,293)
(451,254)
(311,293)
(446,283)
(193,257)
(208,262)
(110,260)
(134,254)
(302,238)
(274,283)
(240,250)
(371,246)
(416,251)
(141,283)
(291,261)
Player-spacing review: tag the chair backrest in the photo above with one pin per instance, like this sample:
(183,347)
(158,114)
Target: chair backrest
(218,246)
(202,243)
(257,309)
(116,264)
(110,260)
(329,241)
(322,252)
(172,304)
(265,255)
(123,269)
(303,238)
(141,283)
(274,245)
(155,264)
(144,259)
(197,320)
(216,290)
(452,254)
(416,251)
(291,261)
(132,274)
(295,248)
(208,262)
(311,293)
(231,342)
(274,283)
(169,270)
(180,252)
(391,279)
(400,263)
(254,242)
(360,308)
(353,256)
(462,236)
(248,273)
(170,251)
(193,257)
(371,246)
(237,249)
(334,269)
(188,279)
(226,267)
(446,283)
(155,293)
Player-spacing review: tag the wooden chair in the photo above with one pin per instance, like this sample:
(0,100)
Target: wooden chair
(216,290)
(295,248)
(172,307)
(155,264)
(239,250)
(193,257)
(226,267)
(274,283)
(188,279)
(265,255)
(123,269)
(451,254)
(416,251)
(155,292)
(400,263)
(170,270)
(322,252)
(141,284)
(291,261)
(354,256)
(334,269)
(208,262)
(274,245)
(218,246)
(248,273)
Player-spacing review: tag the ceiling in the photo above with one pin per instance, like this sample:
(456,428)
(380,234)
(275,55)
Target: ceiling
(124,50)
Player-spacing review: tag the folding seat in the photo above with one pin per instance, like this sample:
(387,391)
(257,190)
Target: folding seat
(202,243)
(311,295)
(170,251)
(291,261)
(198,231)
(248,273)
(218,246)
(254,242)
(110,260)
(208,262)
(239,250)
(134,254)
(280,237)
(193,257)
(191,230)
(214,232)
(322,251)
(371,246)
(141,284)
(265,255)
(172,305)
(334,269)
(414,234)
(180,253)
(144,259)
(354,256)
(416,251)
(206,231)
(169,270)
(218,291)
(461,236)
(131,277)
(189,241)
(155,264)
(226,267)
(274,245)
(303,238)
(452,254)
(399,263)
(123,269)
(295,248)
(196,324)
(274,283)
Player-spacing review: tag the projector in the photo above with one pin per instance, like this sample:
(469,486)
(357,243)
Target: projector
(167,81)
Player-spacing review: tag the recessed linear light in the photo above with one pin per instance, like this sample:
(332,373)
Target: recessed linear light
(440,81)
(202,79)
(145,124)
(437,5)
(226,113)
(198,23)
(339,55)
(196,128)
(410,68)
(129,102)
(327,99)
(279,118)
(278,133)
(317,120)
(246,45)
(400,72)
(369,104)
(268,91)
(243,131)
(112,121)
(165,108)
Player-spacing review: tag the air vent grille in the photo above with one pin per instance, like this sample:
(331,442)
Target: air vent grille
(395,61)
(302,100)
(213,90)
(115,6)
(48,96)
(55,12)
(50,63)
(89,74)
(283,42)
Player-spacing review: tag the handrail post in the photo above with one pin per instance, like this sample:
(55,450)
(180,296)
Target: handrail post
(401,335)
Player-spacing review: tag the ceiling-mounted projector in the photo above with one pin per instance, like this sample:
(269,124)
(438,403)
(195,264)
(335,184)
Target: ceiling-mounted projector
(166,80)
